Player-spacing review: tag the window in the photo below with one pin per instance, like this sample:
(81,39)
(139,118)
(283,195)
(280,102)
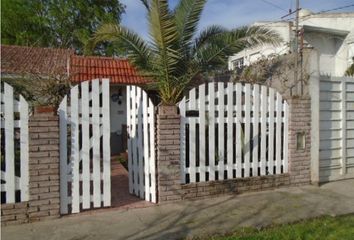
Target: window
(238,63)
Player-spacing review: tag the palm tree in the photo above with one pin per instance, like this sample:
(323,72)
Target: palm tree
(177,54)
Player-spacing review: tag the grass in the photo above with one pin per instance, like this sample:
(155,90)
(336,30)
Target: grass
(324,228)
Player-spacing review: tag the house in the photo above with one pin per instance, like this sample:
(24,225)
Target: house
(18,60)
(327,48)
(330,35)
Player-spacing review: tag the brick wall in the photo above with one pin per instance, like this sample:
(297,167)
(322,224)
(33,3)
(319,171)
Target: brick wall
(14,213)
(233,186)
(43,173)
(168,154)
(299,159)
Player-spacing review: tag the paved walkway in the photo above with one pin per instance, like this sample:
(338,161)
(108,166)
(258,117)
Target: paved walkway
(190,218)
(120,196)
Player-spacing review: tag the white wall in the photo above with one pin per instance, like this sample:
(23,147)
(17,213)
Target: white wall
(335,52)
(118,118)
(251,55)
(341,21)
(118,111)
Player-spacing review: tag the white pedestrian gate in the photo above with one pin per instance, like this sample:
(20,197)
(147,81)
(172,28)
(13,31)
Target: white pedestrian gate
(233,131)
(336,128)
(85,154)
(141,144)
(14,146)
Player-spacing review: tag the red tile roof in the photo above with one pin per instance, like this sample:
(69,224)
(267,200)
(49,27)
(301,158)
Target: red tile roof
(119,71)
(20,60)
(34,60)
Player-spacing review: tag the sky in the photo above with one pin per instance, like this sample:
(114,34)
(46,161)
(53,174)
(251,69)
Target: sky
(232,13)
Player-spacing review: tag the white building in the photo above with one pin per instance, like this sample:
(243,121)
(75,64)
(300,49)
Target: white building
(330,34)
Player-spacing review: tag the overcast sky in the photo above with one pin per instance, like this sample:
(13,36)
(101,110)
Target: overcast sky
(233,13)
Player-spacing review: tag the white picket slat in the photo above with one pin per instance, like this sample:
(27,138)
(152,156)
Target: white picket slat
(256,104)
(9,143)
(192,138)
(278,133)
(230,123)
(202,152)
(239,140)
(271,133)
(129,90)
(24,148)
(106,132)
(133,138)
(75,157)
(145,146)
(264,110)
(96,134)
(247,131)
(140,145)
(151,119)
(182,109)
(63,131)
(85,151)
(211,136)
(221,132)
(285,137)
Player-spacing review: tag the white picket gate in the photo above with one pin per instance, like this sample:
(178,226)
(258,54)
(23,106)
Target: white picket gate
(85,157)
(14,149)
(141,144)
(233,131)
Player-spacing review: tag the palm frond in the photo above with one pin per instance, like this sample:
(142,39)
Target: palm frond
(146,3)
(214,52)
(208,33)
(187,15)
(163,32)
(137,49)
(255,36)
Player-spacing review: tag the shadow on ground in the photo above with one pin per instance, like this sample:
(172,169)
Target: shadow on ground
(197,218)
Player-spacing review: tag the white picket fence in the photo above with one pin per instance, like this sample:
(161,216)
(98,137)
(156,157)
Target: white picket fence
(233,131)
(141,144)
(14,120)
(85,176)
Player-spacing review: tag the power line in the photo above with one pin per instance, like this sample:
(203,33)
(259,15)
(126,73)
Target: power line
(274,5)
(338,8)
(323,11)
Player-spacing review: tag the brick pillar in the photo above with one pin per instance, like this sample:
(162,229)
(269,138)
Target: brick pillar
(299,123)
(168,154)
(43,165)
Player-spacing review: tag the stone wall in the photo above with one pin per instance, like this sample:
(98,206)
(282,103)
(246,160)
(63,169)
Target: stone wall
(43,173)
(300,159)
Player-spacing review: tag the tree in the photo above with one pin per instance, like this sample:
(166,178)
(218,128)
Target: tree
(57,23)
(176,54)
(350,70)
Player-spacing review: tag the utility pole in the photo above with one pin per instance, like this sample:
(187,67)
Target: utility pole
(298,89)
(296,70)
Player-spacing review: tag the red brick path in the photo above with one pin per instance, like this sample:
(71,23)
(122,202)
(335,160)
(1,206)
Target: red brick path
(121,198)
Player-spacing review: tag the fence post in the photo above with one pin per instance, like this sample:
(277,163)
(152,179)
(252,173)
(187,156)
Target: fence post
(168,154)
(43,165)
(300,141)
